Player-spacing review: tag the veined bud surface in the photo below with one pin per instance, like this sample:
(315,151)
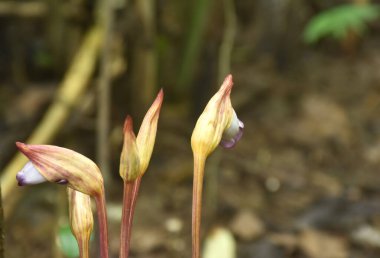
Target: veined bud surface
(137,151)
(81,218)
(218,124)
(61,165)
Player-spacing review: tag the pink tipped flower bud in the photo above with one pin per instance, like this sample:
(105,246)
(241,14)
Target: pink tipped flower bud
(218,124)
(60,165)
(137,151)
(147,134)
(129,158)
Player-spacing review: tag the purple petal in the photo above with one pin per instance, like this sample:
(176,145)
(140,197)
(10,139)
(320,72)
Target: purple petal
(232,134)
(62,181)
(29,175)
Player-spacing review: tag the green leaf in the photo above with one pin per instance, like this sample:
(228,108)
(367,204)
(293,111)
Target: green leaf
(67,242)
(337,22)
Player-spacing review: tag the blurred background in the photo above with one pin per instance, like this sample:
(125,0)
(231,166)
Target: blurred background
(303,181)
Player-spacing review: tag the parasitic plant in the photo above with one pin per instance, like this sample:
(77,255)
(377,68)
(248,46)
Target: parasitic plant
(64,166)
(217,125)
(134,161)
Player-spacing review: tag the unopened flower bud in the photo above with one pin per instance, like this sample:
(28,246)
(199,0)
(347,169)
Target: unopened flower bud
(218,124)
(61,165)
(129,158)
(81,218)
(137,151)
(147,134)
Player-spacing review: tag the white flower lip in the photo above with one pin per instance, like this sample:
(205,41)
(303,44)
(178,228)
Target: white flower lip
(233,133)
(29,175)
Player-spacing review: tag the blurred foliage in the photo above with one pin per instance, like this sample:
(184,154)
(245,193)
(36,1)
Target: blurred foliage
(337,22)
(67,242)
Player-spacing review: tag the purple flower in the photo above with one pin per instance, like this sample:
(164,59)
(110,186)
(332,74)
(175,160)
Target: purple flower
(233,133)
(29,175)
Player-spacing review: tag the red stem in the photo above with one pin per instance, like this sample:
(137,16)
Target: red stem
(131,190)
(199,163)
(102,220)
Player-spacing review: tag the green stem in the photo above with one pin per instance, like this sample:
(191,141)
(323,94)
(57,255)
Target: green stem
(102,220)
(199,164)
(131,190)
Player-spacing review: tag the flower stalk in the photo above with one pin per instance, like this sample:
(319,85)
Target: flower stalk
(102,221)
(199,165)
(131,190)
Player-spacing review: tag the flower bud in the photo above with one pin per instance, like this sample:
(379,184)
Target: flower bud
(147,134)
(129,159)
(60,165)
(81,219)
(217,120)
(137,151)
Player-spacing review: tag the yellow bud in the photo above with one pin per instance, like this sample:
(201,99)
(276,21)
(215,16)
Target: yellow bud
(147,134)
(137,151)
(215,119)
(81,219)
(129,159)
(60,165)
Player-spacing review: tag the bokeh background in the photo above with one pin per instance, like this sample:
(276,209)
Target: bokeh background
(303,181)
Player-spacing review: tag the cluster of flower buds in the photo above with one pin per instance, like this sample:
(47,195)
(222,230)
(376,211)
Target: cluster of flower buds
(218,124)
(136,152)
(134,161)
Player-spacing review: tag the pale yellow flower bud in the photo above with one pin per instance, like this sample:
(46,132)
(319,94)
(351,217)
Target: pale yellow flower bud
(137,151)
(129,158)
(147,134)
(81,219)
(218,124)
(217,120)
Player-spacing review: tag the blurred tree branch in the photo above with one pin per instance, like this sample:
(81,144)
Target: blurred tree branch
(72,88)
(33,9)
(228,39)
(106,20)
(144,76)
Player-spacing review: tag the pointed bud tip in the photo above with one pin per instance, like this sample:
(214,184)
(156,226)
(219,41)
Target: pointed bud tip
(229,78)
(128,124)
(159,98)
(155,108)
(20,145)
(23,147)
(227,83)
